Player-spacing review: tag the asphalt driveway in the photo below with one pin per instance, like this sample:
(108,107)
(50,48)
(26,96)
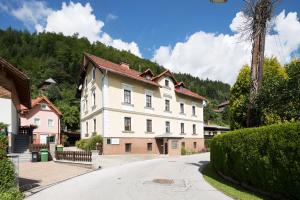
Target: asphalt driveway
(157,179)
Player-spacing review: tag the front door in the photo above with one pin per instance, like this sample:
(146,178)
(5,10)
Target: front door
(43,139)
(166,147)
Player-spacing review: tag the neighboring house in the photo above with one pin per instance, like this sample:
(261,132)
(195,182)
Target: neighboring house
(46,117)
(211,130)
(14,90)
(46,84)
(138,112)
(222,106)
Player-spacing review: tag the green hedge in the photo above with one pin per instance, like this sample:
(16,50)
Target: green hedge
(267,158)
(8,191)
(90,143)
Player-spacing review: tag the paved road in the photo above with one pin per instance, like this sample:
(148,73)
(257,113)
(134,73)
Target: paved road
(158,179)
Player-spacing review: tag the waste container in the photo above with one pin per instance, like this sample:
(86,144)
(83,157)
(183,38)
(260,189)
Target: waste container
(34,156)
(44,155)
(60,148)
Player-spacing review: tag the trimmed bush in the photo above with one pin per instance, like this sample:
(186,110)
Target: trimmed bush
(8,191)
(90,143)
(267,158)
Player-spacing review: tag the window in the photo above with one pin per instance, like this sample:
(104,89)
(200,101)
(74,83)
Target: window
(127,124)
(167,105)
(127,147)
(50,123)
(149,125)
(167,83)
(108,141)
(37,121)
(149,146)
(94,97)
(195,145)
(194,110)
(85,105)
(174,144)
(94,73)
(95,126)
(182,127)
(43,106)
(86,128)
(148,101)
(127,96)
(167,127)
(181,108)
(194,129)
(183,144)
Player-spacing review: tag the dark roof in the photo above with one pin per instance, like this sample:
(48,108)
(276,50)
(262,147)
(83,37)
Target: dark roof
(21,81)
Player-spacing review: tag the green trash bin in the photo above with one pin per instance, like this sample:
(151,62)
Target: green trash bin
(44,155)
(60,148)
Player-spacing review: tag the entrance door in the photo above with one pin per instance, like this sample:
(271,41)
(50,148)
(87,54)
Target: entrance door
(43,139)
(166,148)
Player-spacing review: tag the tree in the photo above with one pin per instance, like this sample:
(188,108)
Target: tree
(239,95)
(258,13)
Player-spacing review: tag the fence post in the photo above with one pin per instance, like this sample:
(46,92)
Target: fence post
(73,155)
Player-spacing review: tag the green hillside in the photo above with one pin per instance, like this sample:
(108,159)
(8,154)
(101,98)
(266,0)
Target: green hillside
(46,55)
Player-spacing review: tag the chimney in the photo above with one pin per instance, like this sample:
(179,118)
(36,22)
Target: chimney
(123,64)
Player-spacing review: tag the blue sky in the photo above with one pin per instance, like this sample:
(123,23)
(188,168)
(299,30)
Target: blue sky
(162,31)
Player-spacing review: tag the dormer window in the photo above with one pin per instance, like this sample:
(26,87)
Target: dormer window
(167,83)
(43,106)
(148,77)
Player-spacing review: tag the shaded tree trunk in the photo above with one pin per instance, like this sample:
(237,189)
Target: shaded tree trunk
(261,16)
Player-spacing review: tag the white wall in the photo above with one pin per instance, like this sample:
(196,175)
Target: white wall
(9,115)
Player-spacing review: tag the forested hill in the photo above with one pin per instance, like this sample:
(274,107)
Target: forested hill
(46,55)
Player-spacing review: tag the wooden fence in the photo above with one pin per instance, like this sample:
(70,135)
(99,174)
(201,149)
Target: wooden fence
(75,156)
(38,147)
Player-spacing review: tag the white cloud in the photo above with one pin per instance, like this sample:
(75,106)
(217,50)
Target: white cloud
(220,56)
(75,18)
(111,17)
(31,12)
(70,19)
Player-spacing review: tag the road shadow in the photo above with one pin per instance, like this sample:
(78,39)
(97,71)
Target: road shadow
(27,184)
(201,164)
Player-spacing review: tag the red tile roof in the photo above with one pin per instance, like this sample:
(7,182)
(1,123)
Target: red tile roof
(37,100)
(184,91)
(124,71)
(118,69)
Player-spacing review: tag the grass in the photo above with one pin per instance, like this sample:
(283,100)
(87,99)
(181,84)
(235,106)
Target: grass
(232,190)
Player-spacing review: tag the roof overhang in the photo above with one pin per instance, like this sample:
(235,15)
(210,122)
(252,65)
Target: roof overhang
(21,81)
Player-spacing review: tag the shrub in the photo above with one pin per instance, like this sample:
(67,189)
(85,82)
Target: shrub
(267,158)
(183,151)
(90,143)
(7,175)
(11,194)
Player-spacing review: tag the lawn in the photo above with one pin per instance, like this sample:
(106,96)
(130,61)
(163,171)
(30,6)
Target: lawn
(226,187)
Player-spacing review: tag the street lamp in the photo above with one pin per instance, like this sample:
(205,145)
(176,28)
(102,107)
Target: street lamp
(218,1)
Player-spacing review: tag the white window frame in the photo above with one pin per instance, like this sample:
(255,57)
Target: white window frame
(182,128)
(50,125)
(181,105)
(168,126)
(127,127)
(167,106)
(43,106)
(94,97)
(39,121)
(194,129)
(194,110)
(149,128)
